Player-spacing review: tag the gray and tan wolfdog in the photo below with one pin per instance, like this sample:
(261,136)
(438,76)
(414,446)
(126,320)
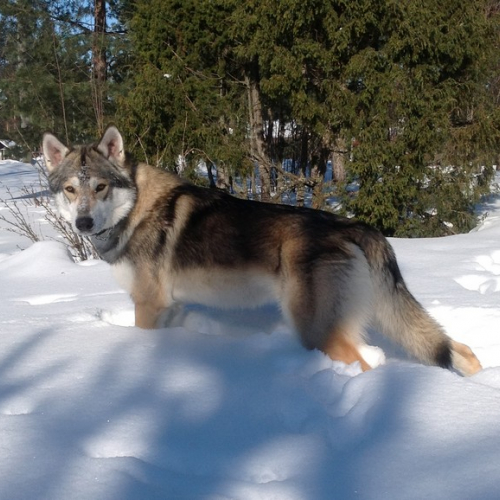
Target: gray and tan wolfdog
(172,242)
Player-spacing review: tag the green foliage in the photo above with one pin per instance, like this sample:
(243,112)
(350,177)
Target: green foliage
(290,44)
(402,96)
(424,122)
(45,71)
(186,103)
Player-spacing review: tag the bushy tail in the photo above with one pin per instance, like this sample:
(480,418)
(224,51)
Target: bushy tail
(400,316)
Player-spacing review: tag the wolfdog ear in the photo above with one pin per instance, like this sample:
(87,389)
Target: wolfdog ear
(111,145)
(54,151)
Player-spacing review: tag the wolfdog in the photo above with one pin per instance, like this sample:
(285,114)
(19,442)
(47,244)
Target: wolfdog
(169,242)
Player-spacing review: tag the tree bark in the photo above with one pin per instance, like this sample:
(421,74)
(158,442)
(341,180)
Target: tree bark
(99,65)
(257,142)
(338,160)
(317,176)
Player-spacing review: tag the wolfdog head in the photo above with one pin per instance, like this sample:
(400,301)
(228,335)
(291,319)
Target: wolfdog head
(93,185)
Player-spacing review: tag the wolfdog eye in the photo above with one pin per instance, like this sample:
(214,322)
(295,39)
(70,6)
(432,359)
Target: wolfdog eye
(100,187)
(70,189)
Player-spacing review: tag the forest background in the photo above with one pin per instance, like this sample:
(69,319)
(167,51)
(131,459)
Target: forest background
(385,110)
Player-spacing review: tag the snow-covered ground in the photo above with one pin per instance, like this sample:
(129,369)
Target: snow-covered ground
(230,406)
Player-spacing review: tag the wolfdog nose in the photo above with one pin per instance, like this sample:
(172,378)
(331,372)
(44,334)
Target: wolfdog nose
(84,224)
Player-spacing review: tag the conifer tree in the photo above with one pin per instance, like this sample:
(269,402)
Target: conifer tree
(46,52)
(290,44)
(186,101)
(397,94)
(424,128)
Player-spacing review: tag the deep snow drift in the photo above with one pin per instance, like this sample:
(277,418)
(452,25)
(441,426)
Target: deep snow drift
(229,406)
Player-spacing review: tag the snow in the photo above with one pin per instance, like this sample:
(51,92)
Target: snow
(229,405)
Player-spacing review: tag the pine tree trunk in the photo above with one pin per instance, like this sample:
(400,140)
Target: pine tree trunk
(338,160)
(317,176)
(300,190)
(257,142)
(99,62)
(210,174)
(224,179)
(21,63)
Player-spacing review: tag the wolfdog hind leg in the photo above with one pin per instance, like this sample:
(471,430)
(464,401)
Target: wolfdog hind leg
(340,347)
(327,331)
(329,307)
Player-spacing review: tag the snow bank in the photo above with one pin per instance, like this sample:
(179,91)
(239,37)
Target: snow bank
(228,405)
